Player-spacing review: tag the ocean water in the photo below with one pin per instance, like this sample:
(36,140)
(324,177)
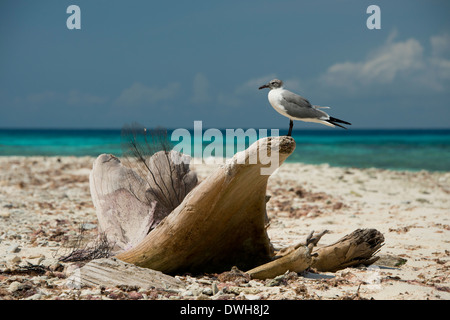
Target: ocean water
(388,149)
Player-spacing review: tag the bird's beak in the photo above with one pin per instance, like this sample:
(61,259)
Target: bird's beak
(264,86)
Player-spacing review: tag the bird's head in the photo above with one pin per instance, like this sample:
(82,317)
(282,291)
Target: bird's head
(273,84)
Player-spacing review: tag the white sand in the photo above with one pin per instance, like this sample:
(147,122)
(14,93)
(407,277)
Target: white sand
(43,201)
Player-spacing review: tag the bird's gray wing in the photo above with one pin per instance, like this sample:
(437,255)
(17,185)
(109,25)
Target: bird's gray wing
(299,107)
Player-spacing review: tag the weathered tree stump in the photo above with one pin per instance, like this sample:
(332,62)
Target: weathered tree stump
(221,223)
(162,222)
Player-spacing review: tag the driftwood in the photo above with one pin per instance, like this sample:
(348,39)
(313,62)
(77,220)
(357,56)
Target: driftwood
(358,247)
(130,204)
(221,223)
(218,224)
(297,258)
(115,273)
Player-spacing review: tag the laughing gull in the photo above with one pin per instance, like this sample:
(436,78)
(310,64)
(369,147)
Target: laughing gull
(295,107)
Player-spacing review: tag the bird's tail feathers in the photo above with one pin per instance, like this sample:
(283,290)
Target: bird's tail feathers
(336,122)
(319,107)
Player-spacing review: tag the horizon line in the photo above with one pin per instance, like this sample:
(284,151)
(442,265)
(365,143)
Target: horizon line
(206,128)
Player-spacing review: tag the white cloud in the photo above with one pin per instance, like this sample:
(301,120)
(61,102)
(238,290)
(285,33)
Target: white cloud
(382,67)
(396,62)
(229,100)
(200,89)
(253,84)
(41,97)
(240,95)
(440,59)
(76,97)
(294,85)
(440,45)
(140,94)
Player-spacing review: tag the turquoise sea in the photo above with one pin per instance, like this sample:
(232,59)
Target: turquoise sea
(388,149)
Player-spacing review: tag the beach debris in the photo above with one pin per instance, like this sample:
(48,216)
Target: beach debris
(14,248)
(82,250)
(112,272)
(234,275)
(390,260)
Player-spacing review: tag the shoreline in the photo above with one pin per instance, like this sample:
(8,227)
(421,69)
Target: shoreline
(210,162)
(43,201)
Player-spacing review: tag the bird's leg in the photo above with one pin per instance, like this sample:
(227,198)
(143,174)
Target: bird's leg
(291,124)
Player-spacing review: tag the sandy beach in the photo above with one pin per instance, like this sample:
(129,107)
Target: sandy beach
(45,200)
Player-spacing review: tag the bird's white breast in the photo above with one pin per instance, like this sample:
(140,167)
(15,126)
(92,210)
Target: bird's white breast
(275,101)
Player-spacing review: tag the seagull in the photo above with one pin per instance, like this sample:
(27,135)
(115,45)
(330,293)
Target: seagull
(296,107)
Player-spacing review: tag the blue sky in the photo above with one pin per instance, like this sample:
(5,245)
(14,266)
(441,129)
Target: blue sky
(169,63)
